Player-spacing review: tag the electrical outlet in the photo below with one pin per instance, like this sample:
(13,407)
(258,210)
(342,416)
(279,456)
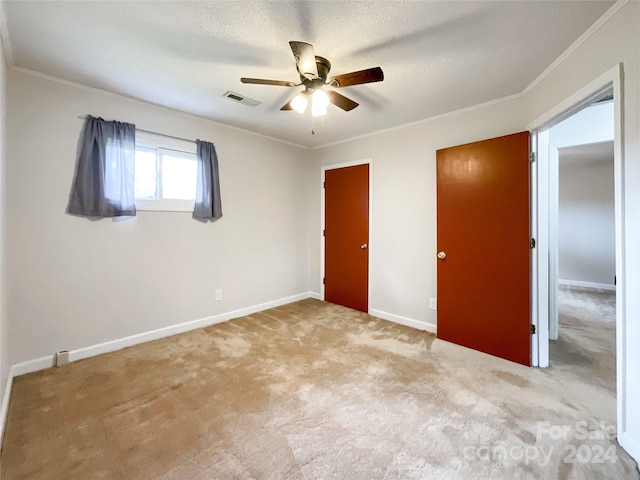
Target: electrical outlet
(433,304)
(218,294)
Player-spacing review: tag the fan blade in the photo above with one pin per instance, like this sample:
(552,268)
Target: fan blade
(341,101)
(357,78)
(262,81)
(287,106)
(305,59)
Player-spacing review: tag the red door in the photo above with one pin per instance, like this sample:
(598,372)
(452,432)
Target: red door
(346,236)
(483,246)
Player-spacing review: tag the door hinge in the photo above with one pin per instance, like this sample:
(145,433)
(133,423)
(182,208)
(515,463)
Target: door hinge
(532,243)
(324,184)
(323,281)
(533,329)
(532,157)
(324,233)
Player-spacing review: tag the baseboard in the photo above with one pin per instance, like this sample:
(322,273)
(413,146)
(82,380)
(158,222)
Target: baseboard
(32,365)
(118,344)
(315,295)
(408,322)
(4,409)
(631,447)
(578,283)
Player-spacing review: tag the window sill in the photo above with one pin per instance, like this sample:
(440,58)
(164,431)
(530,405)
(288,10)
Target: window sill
(165,205)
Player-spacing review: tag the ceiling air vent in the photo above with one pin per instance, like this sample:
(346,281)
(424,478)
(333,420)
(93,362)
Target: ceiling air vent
(236,97)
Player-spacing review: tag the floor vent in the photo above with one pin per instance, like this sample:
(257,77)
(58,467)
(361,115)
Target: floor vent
(62,358)
(236,97)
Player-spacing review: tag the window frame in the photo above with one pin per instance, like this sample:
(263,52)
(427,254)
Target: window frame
(159,143)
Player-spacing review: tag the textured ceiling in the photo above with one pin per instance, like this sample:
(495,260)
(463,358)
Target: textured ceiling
(437,56)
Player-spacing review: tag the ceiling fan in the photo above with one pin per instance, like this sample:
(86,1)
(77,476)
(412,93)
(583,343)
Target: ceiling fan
(313,72)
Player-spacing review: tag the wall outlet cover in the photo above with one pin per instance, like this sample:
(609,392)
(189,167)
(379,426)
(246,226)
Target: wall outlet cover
(433,304)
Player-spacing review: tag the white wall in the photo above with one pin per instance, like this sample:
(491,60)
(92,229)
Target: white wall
(402,243)
(593,124)
(586,214)
(5,362)
(76,283)
(586,222)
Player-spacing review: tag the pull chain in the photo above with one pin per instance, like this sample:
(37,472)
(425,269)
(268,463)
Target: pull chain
(313,132)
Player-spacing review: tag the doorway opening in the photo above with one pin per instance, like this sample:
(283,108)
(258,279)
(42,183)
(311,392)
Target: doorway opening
(581,290)
(582,294)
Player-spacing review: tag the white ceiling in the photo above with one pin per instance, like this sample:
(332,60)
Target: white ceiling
(437,57)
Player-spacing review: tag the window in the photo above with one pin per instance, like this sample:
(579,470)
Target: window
(166,173)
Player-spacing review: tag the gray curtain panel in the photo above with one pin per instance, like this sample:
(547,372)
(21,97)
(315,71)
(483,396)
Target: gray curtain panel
(105,172)
(208,205)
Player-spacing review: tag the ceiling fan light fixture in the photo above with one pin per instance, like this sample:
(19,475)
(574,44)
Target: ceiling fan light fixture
(320,102)
(299,102)
(314,77)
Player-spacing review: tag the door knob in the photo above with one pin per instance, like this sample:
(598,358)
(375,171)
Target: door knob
(442,255)
(364,246)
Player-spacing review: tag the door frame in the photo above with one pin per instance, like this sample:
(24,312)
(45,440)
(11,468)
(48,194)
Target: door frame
(323,170)
(544,199)
(543,211)
(553,159)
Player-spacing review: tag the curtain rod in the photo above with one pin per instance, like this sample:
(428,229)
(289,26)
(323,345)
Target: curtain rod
(84,117)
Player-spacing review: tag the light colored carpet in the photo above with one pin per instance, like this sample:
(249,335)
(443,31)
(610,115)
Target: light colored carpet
(586,345)
(306,391)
